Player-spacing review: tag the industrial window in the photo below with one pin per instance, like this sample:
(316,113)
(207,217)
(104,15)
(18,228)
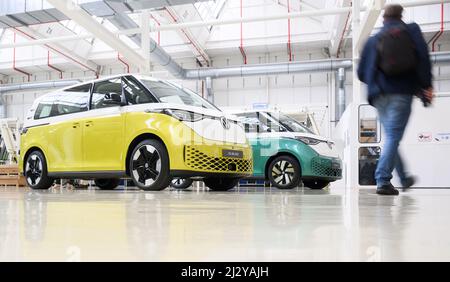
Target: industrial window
(104,89)
(369,125)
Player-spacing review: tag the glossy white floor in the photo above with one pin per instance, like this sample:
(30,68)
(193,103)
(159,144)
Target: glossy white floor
(246,224)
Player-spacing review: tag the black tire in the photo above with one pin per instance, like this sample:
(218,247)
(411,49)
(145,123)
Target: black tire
(35,171)
(107,183)
(221,183)
(149,165)
(316,184)
(181,183)
(284,172)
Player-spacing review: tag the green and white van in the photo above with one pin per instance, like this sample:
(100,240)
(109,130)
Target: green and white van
(285,152)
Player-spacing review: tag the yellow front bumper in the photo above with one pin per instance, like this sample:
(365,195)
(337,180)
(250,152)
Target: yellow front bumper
(202,159)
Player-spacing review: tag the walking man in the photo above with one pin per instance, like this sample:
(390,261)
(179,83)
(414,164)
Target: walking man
(395,65)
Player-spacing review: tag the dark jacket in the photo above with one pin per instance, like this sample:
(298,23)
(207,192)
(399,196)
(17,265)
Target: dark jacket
(411,83)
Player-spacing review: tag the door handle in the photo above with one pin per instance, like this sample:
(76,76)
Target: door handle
(88,123)
(75,124)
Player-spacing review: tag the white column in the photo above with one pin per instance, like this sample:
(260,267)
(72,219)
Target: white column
(352,146)
(145,42)
(361,29)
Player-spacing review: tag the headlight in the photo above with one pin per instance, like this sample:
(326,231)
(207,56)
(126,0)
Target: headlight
(308,140)
(183,115)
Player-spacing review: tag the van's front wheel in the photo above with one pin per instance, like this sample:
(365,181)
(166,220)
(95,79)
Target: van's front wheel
(149,165)
(35,171)
(284,172)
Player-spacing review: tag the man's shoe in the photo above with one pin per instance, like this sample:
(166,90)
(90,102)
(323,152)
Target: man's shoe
(387,190)
(409,181)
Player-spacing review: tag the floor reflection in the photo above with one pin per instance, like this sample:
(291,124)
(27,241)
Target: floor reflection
(244,224)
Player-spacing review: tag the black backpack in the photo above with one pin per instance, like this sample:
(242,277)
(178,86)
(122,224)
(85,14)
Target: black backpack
(397,53)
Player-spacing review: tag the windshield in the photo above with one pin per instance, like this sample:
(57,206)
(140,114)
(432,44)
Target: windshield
(167,92)
(289,123)
(255,122)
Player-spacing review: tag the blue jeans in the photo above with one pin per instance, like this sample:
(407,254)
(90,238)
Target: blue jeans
(394,111)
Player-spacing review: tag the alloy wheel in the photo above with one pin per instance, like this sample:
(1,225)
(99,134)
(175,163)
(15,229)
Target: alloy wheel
(283,172)
(33,169)
(146,165)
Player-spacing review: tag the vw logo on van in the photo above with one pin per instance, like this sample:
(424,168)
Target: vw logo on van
(224,122)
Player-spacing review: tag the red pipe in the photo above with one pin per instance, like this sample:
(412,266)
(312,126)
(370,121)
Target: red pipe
(289,32)
(123,62)
(14,62)
(342,36)
(53,67)
(241,47)
(188,38)
(61,53)
(441,31)
(159,33)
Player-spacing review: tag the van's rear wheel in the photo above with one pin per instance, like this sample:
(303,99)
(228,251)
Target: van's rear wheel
(149,165)
(107,183)
(35,171)
(221,183)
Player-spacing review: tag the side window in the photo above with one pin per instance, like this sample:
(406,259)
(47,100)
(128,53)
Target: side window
(105,89)
(135,93)
(45,107)
(69,103)
(44,110)
(80,89)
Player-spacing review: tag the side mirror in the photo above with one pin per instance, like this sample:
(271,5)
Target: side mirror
(112,99)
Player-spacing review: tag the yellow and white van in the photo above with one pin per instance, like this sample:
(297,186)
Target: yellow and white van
(131,126)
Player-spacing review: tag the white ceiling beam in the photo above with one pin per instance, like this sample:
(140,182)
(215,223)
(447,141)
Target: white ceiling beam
(309,6)
(258,18)
(292,15)
(341,22)
(47,40)
(56,48)
(373,11)
(302,5)
(82,18)
(197,49)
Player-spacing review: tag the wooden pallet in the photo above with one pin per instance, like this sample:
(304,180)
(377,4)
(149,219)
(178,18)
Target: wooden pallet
(9,176)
